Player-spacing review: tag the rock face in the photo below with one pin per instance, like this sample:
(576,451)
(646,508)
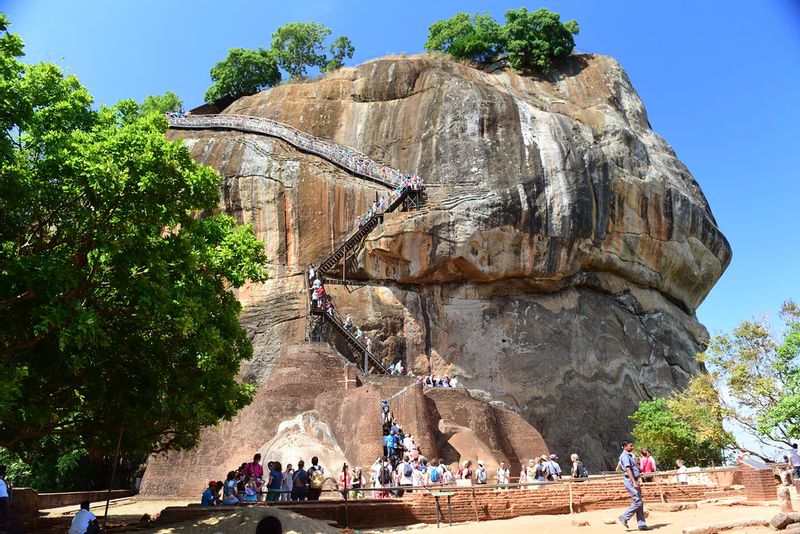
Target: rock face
(555,267)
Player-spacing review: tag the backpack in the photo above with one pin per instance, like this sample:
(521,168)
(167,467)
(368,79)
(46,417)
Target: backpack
(317,478)
(582,472)
(300,478)
(385,476)
(408,470)
(435,474)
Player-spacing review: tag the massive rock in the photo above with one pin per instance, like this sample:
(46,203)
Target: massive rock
(555,267)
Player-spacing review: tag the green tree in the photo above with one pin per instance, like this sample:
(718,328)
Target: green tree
(687,426)
(161,104)
(759,372)
(340,49)
(116,310)
(537,39)
(478,38)
(243,72)
(300,45)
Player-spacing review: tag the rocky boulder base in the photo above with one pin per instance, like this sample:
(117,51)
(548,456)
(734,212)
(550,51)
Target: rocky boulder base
(555,268)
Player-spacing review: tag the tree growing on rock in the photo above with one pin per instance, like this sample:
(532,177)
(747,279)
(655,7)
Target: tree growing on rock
(529,40)
(300,45)
(116,309)
(477,38)
(243,72)
(537,39)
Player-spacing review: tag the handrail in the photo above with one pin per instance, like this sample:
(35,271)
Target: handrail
(360,233)
(347,157)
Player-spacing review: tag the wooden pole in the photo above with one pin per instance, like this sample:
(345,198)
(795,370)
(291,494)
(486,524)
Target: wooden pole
(111,482)
(571,510)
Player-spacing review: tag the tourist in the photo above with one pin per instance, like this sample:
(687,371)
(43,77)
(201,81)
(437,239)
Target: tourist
(794,461)
(5,499)
(631,480)
(465,473)
(230,493)
(275,480)
(256,470)
(358,333)
(368,342)
(316,476)
(287,483)
(453,382)
(447,473)
(300,483)
(311,273)
(210,496)
(523,476)
(535,470)
(553,468)
(683,478)
(480,473)
(344,480)
(357,482)
(405,473)
(84,522)
(250,489)
(384,478)
(348,322)
(503,474)
(647,466)
(578,469)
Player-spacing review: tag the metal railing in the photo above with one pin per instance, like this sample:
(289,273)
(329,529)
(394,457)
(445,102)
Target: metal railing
(346,157)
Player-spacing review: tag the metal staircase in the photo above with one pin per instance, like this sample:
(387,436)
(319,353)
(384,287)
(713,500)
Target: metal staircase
(325,324)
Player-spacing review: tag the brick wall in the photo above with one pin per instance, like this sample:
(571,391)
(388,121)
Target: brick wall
(759,484)
(490,504)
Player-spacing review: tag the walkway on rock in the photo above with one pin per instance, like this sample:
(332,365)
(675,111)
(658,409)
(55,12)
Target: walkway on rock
(402,194)
(347,158)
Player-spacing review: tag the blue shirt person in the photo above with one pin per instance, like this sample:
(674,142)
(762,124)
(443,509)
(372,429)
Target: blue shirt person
(628,463)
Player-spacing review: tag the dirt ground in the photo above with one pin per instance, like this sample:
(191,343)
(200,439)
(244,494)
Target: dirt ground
(129,510)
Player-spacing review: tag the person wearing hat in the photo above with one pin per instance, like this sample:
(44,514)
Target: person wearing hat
(553,467)
(480,473)
(210,496)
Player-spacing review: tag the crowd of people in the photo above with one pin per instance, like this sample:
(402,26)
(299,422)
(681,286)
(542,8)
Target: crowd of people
(251,483)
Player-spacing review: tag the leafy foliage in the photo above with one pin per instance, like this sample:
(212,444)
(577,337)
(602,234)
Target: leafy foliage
(477,38)
(116,310)
(161,104)
(537,39)
(760,374)
(530,40)
(243,72)
(340,49)
(687,427)
(300,45)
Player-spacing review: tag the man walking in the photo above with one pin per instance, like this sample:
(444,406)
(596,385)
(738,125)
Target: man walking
(628,463)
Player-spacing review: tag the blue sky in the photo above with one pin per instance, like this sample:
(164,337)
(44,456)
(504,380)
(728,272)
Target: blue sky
(720,81)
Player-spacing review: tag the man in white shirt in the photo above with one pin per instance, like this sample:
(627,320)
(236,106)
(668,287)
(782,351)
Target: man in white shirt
(84,522)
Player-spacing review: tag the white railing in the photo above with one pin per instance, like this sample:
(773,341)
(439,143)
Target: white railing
(346,157)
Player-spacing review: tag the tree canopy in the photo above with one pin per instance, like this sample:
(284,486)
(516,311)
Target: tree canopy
(758,371)
(161,104)
(688,426)
(753,384)
(116,309)
(243,72)
(300,45)
(529,40)
(478,38)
